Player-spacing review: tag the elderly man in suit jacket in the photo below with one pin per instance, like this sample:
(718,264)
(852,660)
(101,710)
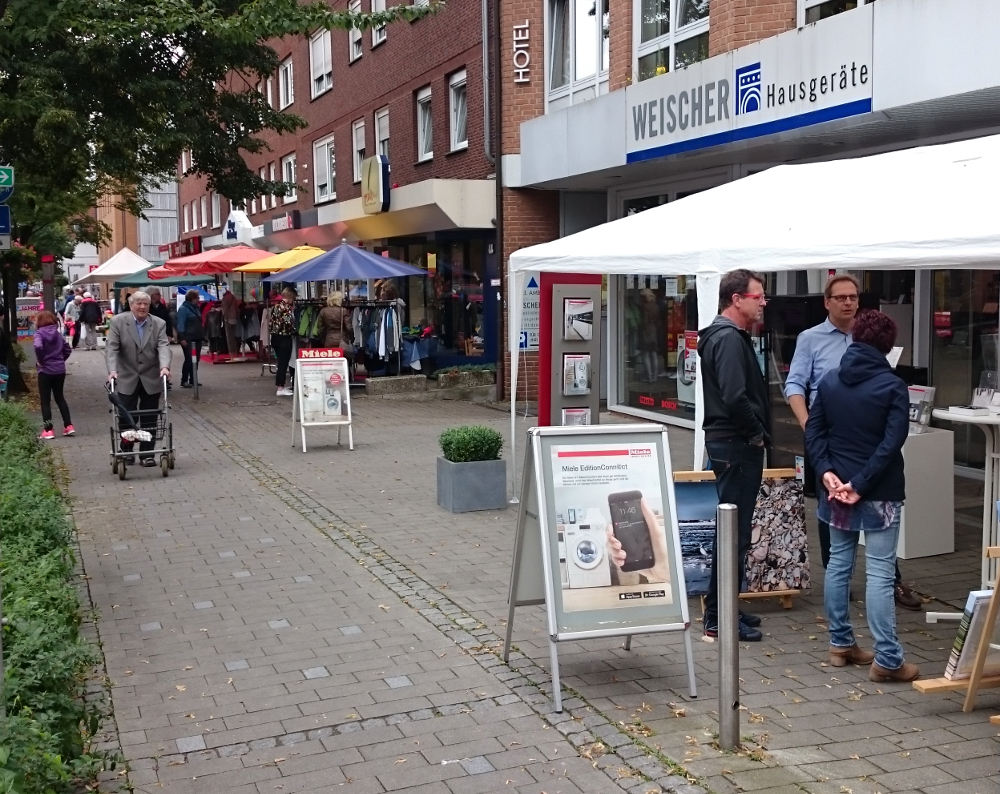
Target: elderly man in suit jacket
(138,354)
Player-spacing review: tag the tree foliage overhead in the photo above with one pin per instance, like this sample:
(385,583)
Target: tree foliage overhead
(100,97)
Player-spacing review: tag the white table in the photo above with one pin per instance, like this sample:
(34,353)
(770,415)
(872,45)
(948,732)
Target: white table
(990,425)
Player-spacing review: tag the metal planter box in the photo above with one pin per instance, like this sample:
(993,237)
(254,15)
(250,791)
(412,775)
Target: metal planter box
(477,485)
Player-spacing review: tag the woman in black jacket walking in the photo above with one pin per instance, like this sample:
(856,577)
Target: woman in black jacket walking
(855,437)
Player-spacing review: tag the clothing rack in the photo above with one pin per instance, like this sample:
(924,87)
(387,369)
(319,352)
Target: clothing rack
(350,305)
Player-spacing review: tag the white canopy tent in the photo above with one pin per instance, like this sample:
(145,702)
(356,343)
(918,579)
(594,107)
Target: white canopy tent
(928,207)
(124,263)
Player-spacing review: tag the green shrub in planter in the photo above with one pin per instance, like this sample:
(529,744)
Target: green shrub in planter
(473,442)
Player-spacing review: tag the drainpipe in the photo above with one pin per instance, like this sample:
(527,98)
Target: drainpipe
(487,143)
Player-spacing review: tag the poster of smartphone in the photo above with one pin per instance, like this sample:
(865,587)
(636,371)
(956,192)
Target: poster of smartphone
(578,319)
(609,509)
(576,374)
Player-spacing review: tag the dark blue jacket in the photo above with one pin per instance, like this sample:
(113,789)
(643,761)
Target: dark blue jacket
(858,424)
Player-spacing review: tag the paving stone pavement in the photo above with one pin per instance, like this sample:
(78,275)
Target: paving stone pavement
(280,621)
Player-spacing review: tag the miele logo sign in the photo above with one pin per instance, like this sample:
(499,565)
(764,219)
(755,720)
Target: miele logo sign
(808,76)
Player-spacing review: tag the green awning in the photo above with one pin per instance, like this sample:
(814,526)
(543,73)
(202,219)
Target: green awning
(140,279)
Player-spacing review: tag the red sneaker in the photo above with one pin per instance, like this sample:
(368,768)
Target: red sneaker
(46,435)
(69,431)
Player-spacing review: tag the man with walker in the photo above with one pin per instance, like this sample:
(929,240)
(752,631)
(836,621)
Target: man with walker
(138,356)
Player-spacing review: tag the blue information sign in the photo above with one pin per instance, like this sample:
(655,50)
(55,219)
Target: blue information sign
(4,219)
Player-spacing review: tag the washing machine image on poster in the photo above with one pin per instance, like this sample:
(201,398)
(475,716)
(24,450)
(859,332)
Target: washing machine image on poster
(609,526)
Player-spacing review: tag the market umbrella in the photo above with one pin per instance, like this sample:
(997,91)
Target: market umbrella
(142,278)
(283,261)
(347,262)
(207,263)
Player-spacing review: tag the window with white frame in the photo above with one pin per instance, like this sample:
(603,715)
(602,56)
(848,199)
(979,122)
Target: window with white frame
(579,38)
(286,84)
(187,218)
(321,63)
(358,141)
(355,34)
(216,211)
(273,173)
(263,196)
(253,206)
(815,10)
(669,35)
(184,165)
(425,125)
(270,92)
(421,2)
(324,170)
(382,131)
(457,111)
(194,215)
(204,211)
(288,175)
(378,34)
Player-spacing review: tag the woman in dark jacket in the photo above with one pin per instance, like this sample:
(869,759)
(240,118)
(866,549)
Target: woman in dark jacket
(334,321)
(854,436)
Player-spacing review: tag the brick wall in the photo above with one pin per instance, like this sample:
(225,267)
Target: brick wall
(736,23)
(413,56)
(521,101)
(620,68)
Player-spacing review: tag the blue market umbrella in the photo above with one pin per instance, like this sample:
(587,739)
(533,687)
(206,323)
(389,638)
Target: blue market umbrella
(346,262)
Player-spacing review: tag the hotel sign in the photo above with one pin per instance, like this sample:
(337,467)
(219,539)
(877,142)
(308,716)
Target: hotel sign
(812,75)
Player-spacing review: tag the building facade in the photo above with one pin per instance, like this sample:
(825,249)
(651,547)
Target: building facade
(414,94)
(643,103)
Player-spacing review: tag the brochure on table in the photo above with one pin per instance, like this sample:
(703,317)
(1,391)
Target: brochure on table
(597,538)
(322,394)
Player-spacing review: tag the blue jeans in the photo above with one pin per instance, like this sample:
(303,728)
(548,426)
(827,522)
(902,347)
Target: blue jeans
(738,468)
(880,605)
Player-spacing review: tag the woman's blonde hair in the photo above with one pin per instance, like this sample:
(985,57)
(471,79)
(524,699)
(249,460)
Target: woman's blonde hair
(335,299)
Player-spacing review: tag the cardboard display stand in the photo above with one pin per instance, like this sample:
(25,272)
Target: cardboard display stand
(597,540)
(322,395)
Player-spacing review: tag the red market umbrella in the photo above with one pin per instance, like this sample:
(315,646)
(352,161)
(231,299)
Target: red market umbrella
(207,263)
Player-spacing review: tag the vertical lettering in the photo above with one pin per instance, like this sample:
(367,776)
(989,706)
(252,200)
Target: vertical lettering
(709,100)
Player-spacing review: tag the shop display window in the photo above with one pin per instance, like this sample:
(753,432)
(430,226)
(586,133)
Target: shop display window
(657,343)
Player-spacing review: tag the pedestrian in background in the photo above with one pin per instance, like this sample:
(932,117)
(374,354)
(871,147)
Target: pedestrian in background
(51,351)
(72,315)
(855,435)
(737,422)
(334,321)
(282,336)
(90,318)
(190,333)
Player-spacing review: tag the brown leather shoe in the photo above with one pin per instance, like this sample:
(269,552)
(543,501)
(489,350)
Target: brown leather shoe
(906,598)
(880,675)
(840,657)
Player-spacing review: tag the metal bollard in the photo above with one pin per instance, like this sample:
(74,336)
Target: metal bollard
(728,577)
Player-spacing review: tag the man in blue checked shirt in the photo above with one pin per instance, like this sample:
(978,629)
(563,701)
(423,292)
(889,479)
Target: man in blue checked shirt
(817,351)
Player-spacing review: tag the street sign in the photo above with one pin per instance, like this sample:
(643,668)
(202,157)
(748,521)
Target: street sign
(4,242)
(6,182)
(4,219)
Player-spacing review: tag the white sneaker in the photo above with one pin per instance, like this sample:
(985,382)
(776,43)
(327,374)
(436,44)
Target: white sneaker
(285,393)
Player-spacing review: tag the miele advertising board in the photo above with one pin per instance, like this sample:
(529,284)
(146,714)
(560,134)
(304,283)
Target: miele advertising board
(813,75)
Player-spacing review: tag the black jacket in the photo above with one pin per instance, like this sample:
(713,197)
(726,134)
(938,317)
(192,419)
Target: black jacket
(162,311)
(736,404)
(90,312)
(858,424)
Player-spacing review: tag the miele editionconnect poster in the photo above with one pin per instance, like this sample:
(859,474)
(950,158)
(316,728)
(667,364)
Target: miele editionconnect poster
(609,519)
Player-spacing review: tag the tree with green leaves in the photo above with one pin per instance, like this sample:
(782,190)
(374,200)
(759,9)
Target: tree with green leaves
(100,97)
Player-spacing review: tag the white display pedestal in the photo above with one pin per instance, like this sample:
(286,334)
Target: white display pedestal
(928,524)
